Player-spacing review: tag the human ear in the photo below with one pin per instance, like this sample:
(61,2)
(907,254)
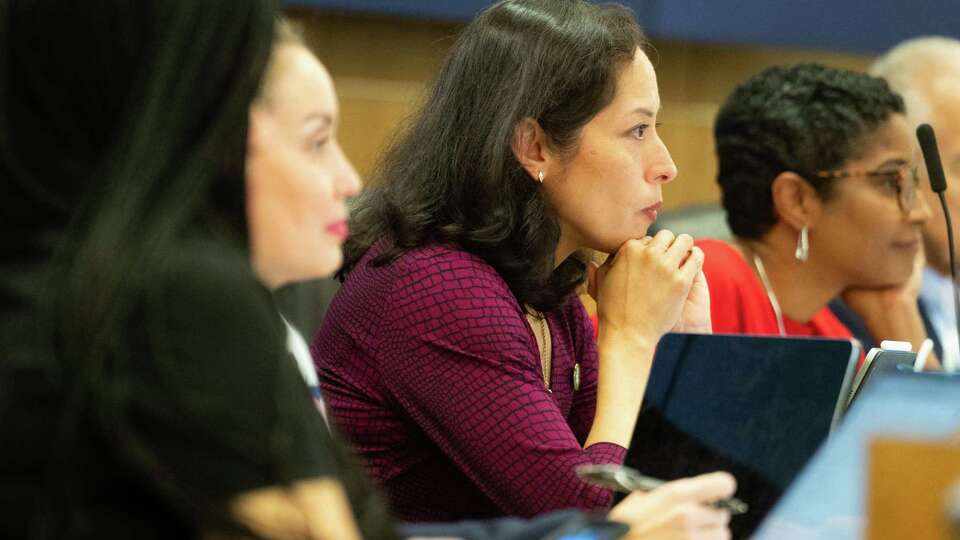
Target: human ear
(796,202)
(530,148)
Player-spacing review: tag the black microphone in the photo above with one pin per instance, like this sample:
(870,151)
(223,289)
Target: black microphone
(931,155)
(938,183)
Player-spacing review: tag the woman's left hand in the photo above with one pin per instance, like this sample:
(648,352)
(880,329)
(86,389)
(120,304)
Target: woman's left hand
(892,312)
(695,317)
(875,303)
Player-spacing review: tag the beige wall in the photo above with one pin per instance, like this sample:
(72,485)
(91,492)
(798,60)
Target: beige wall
(381,66)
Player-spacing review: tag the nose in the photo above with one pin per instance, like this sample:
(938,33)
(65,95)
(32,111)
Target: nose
(661,169)
(347,182)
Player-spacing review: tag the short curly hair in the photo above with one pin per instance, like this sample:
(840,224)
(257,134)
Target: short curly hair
(804,119)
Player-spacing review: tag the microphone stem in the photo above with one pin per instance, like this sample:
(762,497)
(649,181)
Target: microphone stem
(953,275)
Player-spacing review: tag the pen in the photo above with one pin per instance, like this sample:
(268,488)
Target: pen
(626,480)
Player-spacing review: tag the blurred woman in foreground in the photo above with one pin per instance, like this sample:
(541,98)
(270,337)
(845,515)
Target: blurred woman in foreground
(147,389)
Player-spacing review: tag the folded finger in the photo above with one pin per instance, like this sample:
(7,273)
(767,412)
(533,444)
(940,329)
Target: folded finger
(662,240)
(679,251)
(693,265)
(712,518)
(705,488)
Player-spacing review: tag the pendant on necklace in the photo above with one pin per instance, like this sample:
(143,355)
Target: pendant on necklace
(576,376)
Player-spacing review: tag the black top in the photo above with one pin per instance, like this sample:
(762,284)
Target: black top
(207,406)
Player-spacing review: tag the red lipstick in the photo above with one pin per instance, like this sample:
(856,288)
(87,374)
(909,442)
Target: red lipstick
(340,229)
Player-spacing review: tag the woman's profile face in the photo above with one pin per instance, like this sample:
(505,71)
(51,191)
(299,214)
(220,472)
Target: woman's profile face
(298,178)
(862,231)
(609,191)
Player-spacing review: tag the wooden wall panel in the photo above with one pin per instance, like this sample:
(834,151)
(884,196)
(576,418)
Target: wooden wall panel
(382,65)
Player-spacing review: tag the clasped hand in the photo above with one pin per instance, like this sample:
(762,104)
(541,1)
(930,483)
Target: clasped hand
(652,286)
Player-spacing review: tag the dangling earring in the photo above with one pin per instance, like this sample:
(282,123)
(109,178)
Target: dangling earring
(803,245)
(540,176)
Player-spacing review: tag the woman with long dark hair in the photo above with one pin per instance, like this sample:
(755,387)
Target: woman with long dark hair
(146,387)
(456,356)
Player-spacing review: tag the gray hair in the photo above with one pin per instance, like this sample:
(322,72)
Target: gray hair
(920,69)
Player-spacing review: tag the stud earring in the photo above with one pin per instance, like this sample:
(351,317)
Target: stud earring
(540,176)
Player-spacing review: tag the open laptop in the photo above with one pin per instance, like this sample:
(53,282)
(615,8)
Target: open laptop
(828,499)
(758,407)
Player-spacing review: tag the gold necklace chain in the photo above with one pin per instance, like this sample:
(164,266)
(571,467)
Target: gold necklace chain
(544,345)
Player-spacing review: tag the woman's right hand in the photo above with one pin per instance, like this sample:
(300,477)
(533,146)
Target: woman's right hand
(641,290)
(679,510)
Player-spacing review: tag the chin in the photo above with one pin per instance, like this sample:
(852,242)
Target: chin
(323,264)
(329,267)
(892,277)
(605,247)
(612,243)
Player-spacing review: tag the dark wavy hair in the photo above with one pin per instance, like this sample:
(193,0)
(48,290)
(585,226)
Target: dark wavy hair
(452,176)
(806,118)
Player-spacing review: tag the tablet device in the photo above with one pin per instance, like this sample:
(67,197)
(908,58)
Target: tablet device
(880,361)
(828,498)
(758,407)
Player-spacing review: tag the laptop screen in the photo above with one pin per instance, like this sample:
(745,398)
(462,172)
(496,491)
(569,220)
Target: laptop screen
(828,498)
(758,407)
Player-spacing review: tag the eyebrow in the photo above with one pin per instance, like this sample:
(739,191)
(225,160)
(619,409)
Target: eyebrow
(644,111)
(892,162)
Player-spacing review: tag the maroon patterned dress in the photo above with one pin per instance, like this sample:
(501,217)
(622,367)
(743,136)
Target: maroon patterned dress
(431,370)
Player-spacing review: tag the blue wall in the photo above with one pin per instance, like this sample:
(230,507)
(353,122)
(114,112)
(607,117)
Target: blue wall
(849,25)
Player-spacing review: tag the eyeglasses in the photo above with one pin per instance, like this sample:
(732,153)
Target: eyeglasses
(902,180)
